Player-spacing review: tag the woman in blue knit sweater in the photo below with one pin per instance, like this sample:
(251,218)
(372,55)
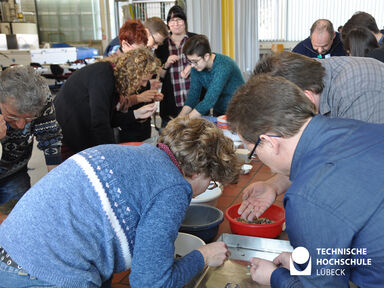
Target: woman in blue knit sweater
(217,73)
(114,207)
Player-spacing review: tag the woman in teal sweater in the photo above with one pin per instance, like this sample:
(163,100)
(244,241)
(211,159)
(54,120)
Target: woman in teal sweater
(218,73)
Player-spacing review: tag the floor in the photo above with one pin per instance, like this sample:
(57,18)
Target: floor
(231,195)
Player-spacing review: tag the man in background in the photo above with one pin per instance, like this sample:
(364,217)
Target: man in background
(26,112)
(323,42)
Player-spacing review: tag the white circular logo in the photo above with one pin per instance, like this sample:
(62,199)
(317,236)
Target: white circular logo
(300,255)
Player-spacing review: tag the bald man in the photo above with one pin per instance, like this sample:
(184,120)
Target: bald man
(323,42)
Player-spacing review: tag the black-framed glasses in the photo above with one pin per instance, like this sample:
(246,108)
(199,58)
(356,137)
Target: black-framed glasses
(194,62)
(212,185)
(257,143)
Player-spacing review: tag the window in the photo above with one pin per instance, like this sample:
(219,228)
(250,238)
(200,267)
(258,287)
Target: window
(291,20)
(68,21)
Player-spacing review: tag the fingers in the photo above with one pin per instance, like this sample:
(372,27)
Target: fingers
(3,127)
(282,260)
(243,207)
(159,97)
(246,209)
(249,210)
(246,193)
(255,263)
(215,253)
(277,260)
(172,59)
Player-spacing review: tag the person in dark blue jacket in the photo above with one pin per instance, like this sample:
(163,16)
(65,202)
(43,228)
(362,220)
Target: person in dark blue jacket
(324,42)
(334,208)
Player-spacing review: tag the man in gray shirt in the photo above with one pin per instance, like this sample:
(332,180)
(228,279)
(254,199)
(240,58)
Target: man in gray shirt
(346,87)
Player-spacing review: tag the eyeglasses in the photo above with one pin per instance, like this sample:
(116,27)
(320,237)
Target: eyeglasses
(212,185)
(175,21)
(154,40)
(257,143)
(14,118)
(194,62)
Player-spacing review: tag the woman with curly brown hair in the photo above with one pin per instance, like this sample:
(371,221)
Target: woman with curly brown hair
(133,34)
(85,105)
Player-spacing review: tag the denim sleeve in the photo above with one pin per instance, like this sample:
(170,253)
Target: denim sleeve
(313,226)
(282,279)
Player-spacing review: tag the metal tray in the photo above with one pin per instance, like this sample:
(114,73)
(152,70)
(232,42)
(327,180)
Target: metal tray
(235,273)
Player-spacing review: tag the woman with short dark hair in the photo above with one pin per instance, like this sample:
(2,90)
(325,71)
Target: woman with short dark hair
(360,42)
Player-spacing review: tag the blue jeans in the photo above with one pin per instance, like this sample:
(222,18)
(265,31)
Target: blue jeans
(14,186)
(15,278)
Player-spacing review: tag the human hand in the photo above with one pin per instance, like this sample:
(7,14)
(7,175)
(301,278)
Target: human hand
(147,96)
(3,127)
(159,96)
(257,198)
(155,84)
(171,59)
(215,253)
(185,73)
(283,260)
(145,111)
(261,270)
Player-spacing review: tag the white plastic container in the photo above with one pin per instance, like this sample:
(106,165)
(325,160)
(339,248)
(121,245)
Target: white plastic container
(209,197)
(186,243)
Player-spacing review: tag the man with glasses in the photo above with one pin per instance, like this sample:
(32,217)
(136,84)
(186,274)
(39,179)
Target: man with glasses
(336,199)
(217,73)
(26,112)
(346,87)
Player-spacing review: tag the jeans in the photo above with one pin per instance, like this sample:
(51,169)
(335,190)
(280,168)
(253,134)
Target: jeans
(15,278)
(12,188)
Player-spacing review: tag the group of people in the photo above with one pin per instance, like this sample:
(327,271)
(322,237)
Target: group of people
(359,37)
(87,218)
(108,208)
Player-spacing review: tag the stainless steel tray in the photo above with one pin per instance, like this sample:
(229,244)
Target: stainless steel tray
(235,273)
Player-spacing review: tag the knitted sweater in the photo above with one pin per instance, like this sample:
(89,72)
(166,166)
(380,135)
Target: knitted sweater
(221,82)
(17,145)
(102,211)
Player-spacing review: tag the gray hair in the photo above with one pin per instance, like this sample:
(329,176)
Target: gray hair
(27,90)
